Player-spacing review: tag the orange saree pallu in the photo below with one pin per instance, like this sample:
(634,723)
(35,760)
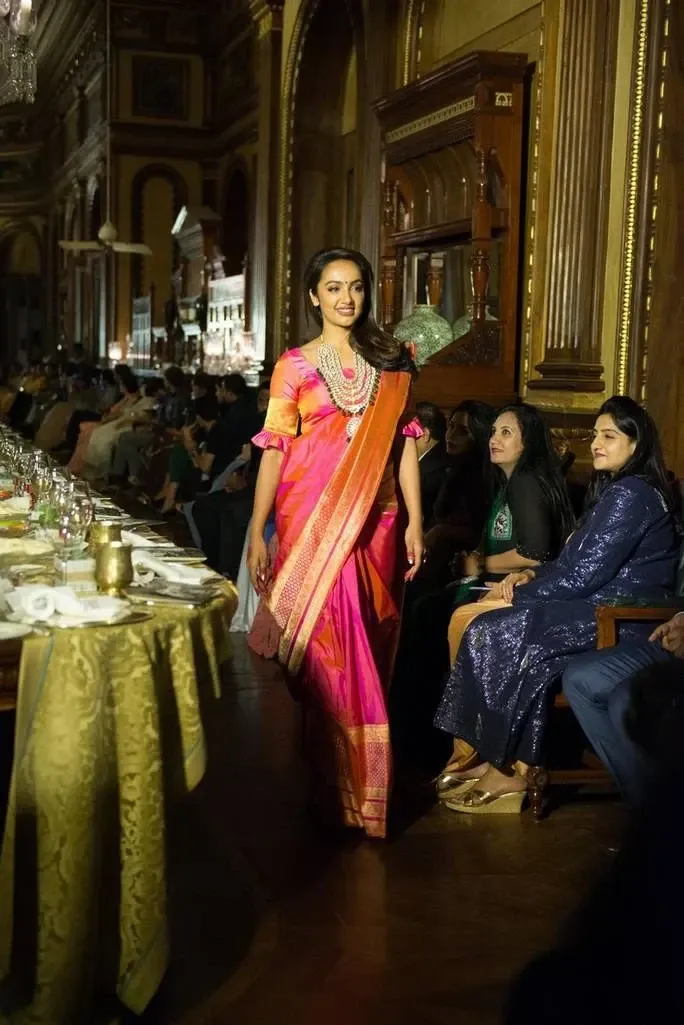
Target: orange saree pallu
(335,602)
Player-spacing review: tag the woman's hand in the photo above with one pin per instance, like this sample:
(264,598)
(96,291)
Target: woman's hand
(512,580)
(415,548)
(259,565)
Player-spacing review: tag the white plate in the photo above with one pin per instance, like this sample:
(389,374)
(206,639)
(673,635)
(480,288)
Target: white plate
(8,631)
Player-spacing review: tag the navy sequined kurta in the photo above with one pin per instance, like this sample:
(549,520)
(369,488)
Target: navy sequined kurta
(495,698)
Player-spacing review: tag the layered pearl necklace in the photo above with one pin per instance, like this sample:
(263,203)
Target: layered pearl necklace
(350,395)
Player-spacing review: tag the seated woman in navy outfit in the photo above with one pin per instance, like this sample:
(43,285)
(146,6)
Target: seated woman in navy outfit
(495,701)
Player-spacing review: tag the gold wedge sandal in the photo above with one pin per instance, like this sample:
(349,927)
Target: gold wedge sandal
(481,802)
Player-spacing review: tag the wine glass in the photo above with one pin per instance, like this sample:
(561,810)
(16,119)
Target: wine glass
(75,514)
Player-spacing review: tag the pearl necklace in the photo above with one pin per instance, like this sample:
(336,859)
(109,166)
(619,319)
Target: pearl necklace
(351,396)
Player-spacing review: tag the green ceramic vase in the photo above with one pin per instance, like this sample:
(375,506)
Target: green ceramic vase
(429,332)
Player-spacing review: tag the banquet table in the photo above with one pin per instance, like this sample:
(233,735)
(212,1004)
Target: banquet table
(108,732)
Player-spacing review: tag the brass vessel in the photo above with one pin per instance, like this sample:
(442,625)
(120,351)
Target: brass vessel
(102,532)
(113,567)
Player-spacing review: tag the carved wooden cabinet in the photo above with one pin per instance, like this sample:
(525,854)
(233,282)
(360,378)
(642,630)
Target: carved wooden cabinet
(452,208)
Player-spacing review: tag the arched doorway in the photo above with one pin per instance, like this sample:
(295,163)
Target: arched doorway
(324,146)
(235,220)
(158,194)
(20,292)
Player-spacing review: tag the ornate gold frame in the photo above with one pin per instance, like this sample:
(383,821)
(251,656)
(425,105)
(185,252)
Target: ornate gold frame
(626,375)
(622,349)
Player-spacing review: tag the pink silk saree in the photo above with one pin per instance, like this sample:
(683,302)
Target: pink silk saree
(334,605)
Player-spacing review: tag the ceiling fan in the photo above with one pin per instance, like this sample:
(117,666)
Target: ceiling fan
(107,236)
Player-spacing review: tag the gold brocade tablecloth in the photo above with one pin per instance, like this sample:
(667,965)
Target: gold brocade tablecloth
(108,725)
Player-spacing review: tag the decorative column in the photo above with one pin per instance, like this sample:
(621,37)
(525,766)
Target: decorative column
(268,16)
(379,17)
(576,241)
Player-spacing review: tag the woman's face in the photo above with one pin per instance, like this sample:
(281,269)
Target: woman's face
(339,293)
(263,396)
(611,447)
(506,442)
(457,436)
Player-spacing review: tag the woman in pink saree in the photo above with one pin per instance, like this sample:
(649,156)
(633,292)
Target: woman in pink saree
(343,473)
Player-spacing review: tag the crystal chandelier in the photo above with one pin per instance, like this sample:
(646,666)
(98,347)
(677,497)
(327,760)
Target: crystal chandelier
(18,69)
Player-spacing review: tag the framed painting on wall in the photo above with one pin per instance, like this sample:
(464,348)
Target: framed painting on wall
(160,88)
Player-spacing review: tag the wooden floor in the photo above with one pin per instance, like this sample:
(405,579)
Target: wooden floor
(276,922)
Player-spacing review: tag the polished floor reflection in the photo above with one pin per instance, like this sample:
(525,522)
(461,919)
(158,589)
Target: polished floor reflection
(275,921)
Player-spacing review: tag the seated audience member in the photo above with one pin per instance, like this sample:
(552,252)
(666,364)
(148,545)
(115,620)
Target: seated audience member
(237,405)
(173,459)
(531,516)
(432,457)
(495,702)
(78,357)
(222,517)
(202,384)
(234,396)
(202,455)
(96,439)
(107,399)
(461,507)
(110,389)
(528,520)
(618,960)
(80,395)
(134,448)
(598,687)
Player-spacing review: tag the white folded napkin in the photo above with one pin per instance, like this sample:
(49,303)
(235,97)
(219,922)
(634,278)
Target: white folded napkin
(99,608)
(15,506)
(34,602)
(39,603)
(176,572)
(129,538)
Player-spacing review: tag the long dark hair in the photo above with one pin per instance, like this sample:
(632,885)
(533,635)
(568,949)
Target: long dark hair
(479,419)
(539,460)
(647,459)
(378,347)
(431,416)
(126,378)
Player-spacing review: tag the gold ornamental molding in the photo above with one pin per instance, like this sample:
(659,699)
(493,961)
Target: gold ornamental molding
(653,203)
(625,342)
(436,118)
(408,41)
(534,182)
(415,11)
(631,197)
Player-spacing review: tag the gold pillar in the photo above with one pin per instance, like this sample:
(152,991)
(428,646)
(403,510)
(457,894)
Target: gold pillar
(585,64)
(268,16)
